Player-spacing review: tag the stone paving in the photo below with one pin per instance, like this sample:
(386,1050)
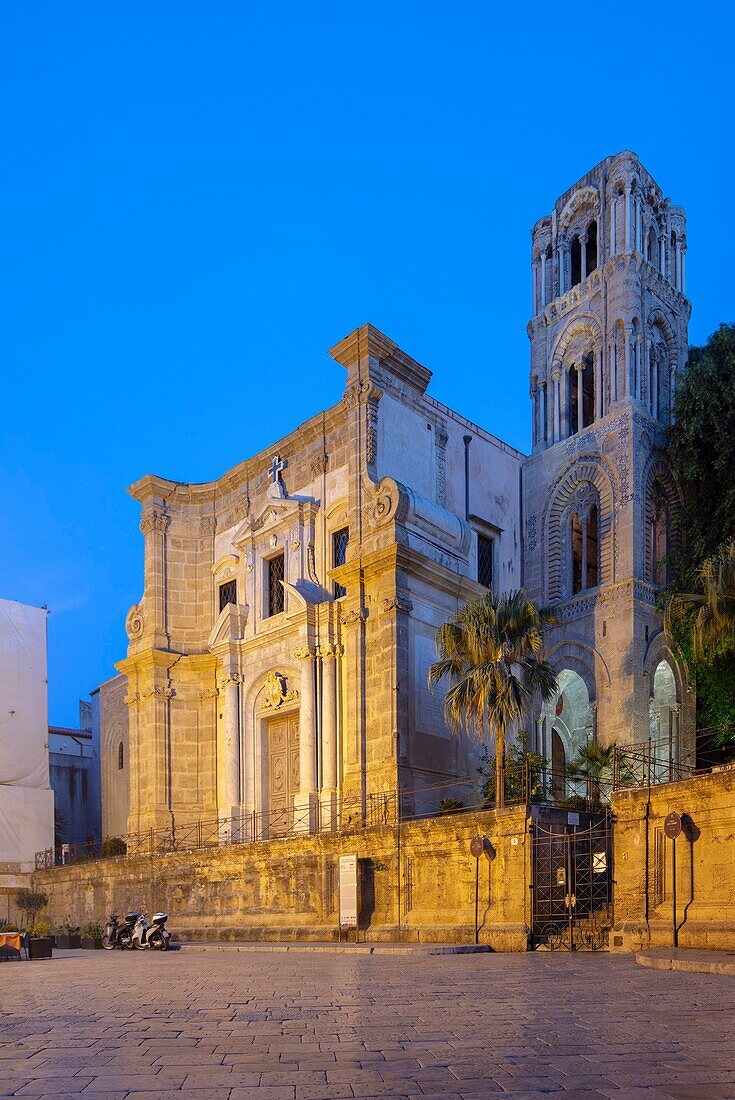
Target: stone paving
(256,1026)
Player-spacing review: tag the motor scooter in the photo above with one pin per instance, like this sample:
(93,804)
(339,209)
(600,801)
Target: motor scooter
(153,935)
(119,933)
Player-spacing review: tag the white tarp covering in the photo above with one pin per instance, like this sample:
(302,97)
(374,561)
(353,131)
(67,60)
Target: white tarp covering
(23,696)
(26,800)
(26,824)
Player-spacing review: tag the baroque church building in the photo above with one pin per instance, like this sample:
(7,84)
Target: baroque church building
(276,675)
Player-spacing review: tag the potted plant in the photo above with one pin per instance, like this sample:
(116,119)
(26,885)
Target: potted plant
(39,942)
(67,935)
(92,936)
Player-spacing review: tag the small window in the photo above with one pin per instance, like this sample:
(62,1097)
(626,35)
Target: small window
(276,593)
(227,594)
(485,547)
(339,556)
(120,756)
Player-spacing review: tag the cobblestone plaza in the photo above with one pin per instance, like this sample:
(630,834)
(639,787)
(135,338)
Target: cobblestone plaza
(309,1026)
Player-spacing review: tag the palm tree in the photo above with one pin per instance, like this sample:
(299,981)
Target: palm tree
(712,628)
(594,763)
(491,655)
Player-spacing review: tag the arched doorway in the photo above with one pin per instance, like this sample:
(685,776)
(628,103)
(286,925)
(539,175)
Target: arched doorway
(664,721)
(567,727)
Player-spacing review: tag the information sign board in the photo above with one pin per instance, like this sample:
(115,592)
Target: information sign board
(348,891)
(672,825)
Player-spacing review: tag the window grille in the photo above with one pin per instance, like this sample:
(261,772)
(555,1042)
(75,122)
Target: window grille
(485,548)
(227,593)
(120,756)
(339,556)
(276,594)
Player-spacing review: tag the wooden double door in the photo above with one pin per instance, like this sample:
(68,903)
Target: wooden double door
(283,772)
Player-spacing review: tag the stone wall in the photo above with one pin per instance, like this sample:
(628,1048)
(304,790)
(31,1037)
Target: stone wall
(417,883)
(705,862)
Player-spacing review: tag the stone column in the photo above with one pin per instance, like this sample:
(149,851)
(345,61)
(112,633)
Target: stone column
(662,255)
(228,757)
(579,367)
(154,524)
(328,797)
(534,290)
(543,278)
(305,800)
(638,226)
(613,225)
(638,365)
(627,333)
(675,744)
(539,736)
(544,413)
(678,265)
(562,282)
(627,217)
(683,271)
(583,256)
(556,378)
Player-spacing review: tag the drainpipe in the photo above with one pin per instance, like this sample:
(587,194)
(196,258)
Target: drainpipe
(467,439)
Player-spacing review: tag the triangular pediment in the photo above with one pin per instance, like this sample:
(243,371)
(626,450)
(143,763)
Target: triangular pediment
(273,512)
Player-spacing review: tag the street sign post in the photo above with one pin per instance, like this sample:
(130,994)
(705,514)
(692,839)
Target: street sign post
(672,829)
(477,846)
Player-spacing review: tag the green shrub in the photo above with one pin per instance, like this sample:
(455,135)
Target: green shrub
(66,928)
(448,805)
(40,928)
(114,846)
(93,931)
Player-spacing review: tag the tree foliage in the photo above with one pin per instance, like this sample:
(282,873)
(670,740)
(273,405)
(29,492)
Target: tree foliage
(702,452)
(701,449)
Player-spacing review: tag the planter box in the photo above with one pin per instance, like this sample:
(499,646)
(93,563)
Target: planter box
(40,948)
(66,943)
(90,944)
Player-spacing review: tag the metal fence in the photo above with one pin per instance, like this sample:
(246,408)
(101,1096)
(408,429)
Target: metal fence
(636,765)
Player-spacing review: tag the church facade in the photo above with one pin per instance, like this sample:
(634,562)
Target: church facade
(276,676)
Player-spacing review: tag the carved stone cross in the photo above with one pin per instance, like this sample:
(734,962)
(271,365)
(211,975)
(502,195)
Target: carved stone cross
(276,467)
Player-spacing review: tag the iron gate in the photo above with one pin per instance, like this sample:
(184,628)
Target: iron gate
(572,883)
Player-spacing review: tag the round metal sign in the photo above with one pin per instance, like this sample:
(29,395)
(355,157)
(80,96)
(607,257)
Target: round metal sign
(672,825)
(477,846)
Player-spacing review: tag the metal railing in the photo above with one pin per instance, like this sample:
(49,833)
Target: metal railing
(637,765)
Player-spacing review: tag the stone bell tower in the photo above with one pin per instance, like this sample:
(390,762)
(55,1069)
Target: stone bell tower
(608,344)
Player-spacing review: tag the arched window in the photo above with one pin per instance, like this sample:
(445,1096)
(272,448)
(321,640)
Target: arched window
(652,249)
(592,548)
(576,261)
(120,756)
(576,554)
(591,247)
(658,535)
(581,403)
(585,553)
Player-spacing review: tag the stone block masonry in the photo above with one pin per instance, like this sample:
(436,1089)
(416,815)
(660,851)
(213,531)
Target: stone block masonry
(417,884)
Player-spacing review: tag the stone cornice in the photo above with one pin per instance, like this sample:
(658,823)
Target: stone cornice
(367,342)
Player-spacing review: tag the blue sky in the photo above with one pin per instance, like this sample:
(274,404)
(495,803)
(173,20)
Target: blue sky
(198,199)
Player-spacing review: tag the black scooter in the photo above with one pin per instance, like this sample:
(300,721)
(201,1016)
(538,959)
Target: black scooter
(119,934)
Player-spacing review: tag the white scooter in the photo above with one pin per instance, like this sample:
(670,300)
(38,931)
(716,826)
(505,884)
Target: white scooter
(153,935)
